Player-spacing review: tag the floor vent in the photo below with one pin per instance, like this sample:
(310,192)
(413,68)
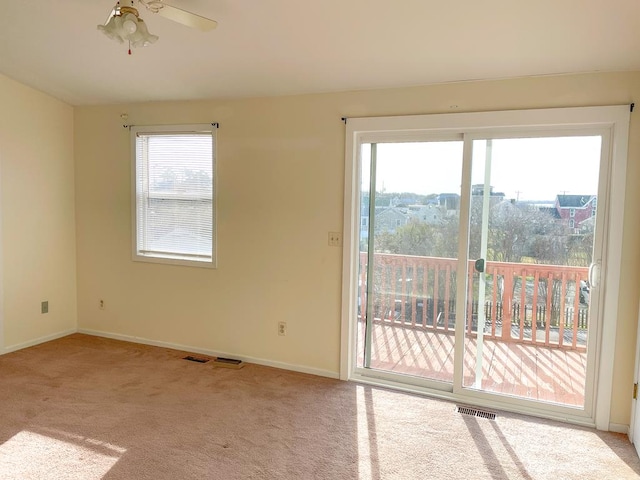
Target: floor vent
(475,412)
(191,358)
(227,363)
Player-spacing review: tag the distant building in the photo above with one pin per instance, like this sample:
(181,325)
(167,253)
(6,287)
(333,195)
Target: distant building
(573,210)
(449,201)
(495,198)
(425,213)
(389,219)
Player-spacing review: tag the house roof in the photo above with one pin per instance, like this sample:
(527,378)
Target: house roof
(574,201)
(284,47)
(551,211)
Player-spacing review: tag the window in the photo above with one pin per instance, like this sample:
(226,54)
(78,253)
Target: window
(173,194)
(572,212)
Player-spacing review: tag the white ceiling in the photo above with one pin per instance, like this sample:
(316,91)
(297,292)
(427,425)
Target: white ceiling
(281,47)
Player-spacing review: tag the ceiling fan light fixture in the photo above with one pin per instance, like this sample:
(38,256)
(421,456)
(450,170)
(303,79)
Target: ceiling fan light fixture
(125,24)
(129,24)
(112,29)
(141,37)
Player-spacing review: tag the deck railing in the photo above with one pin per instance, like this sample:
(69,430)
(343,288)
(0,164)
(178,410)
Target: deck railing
(524,303)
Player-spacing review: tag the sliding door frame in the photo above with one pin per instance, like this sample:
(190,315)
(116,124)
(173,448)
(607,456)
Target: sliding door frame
(613,121)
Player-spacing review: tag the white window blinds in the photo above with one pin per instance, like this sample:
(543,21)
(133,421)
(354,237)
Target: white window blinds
(174,178)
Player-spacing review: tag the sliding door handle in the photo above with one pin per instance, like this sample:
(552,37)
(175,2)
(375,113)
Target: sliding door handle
(594,274)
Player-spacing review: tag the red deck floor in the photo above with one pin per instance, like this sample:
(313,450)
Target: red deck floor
(528,371)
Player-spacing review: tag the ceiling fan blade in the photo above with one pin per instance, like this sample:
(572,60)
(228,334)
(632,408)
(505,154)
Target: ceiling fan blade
(187,18)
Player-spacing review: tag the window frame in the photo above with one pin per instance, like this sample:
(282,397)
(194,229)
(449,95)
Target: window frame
(172,259)
(613,124)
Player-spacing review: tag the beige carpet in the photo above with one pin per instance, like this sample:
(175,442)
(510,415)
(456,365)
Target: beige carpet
(88,408)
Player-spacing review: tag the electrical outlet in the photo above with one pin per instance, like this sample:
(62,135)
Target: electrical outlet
(44,307)
(282,328)
(335,239)
(101,304)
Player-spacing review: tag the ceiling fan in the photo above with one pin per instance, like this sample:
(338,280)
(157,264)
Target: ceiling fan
(125,24)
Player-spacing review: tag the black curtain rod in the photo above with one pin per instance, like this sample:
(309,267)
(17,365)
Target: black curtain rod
(214,125)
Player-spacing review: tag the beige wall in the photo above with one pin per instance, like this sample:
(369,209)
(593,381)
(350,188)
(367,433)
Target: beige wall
(280,190)
(38,222)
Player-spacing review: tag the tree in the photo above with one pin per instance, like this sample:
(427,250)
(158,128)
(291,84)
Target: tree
(421,238)
(516,233)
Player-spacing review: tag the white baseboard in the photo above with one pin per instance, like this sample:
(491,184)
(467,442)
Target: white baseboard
(212,353)
(619,428)
(37,341)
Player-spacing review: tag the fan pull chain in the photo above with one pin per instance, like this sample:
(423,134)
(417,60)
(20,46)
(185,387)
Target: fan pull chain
(129,47)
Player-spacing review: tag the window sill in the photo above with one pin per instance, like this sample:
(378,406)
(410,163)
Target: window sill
(174,260)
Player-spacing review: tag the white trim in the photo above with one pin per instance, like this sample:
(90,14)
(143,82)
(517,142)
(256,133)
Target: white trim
(619,428)
(38,341)
(635,410)
(214,353)
(536,121)
(619,118)
(350,259)
(503,124)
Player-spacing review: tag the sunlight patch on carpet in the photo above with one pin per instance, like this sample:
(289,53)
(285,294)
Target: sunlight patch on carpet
(367,438)
(30,455)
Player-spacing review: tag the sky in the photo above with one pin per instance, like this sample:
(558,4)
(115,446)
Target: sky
(521,168)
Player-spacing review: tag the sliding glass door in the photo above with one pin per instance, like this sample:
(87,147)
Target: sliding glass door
(532,226)
(475,261)
(409,217)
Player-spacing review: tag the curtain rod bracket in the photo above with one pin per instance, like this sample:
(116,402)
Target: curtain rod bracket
(631,107)
(344,120)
